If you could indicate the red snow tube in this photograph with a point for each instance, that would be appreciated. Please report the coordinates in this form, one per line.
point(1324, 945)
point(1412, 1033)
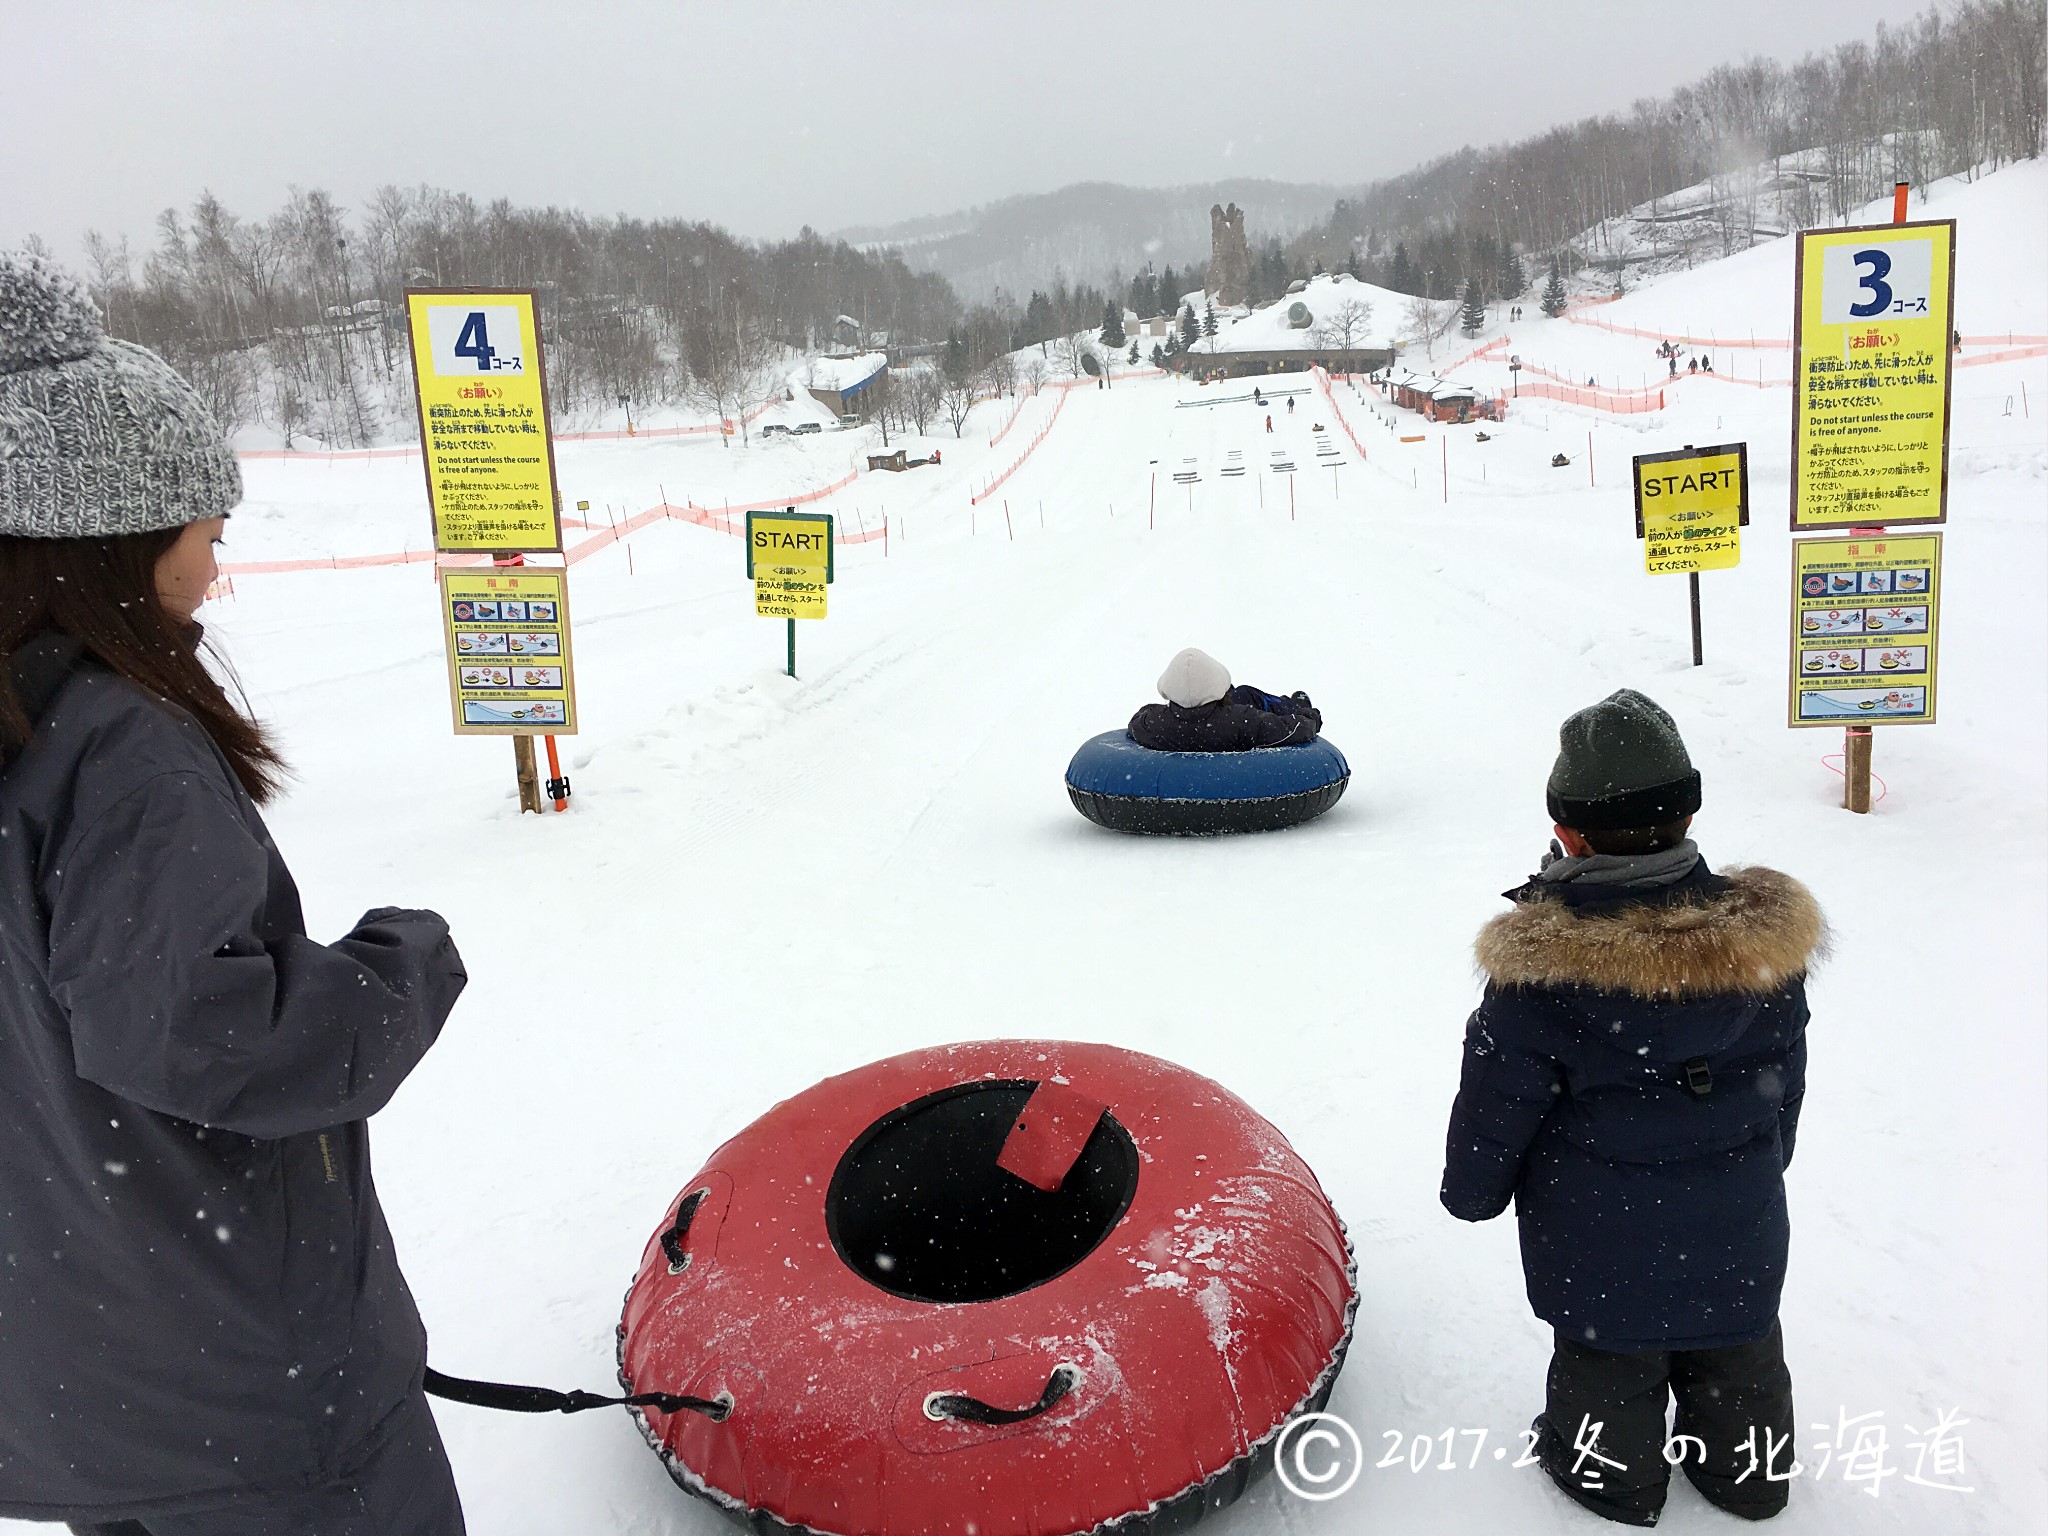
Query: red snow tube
point(1016, 1287)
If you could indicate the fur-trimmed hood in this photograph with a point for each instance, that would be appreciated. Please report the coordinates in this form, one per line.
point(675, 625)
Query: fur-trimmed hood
point(1751, 938)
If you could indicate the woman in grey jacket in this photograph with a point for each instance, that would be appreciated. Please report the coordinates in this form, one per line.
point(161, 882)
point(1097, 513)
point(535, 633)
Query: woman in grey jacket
point(203, 1327)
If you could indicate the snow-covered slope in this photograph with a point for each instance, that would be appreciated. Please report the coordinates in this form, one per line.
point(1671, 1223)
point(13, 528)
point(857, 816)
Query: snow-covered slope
point(766, 880)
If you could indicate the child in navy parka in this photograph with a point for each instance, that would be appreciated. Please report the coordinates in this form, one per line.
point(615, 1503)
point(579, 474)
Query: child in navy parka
point(1632, 1084)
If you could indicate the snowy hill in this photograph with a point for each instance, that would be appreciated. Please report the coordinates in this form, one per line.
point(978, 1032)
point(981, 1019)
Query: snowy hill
point(1089, 231)
point(764, 880)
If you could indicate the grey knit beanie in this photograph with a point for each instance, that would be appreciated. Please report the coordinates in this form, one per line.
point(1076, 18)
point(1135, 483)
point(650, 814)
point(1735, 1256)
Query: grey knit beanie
point(1621, 764)
point(97, 437)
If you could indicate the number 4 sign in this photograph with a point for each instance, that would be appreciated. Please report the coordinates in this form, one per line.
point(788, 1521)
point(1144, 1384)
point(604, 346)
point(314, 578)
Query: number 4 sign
point(481, 382)
point(466, 341)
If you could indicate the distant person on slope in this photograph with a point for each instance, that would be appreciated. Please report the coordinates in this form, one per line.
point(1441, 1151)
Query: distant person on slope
point(203, 1327)
point(1632, 1084)
point(1204, 713)
point(1269, 423)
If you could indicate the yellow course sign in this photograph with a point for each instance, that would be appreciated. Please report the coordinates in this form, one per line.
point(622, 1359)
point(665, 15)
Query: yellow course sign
point(1870, 375)
point(1691, 507)
point(484, 434)
point(1866, 619)
point(509, 668)
point(789, 560)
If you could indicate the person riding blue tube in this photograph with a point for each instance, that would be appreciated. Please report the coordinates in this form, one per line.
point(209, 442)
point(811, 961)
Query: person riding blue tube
point(1205, 712)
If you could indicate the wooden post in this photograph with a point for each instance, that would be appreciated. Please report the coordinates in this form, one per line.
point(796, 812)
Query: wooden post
point(1589, 458)
point(1698, 655)
point(792, 647)
point(1856, 739)
point(1856, 770)
point(528, 775)
point(1152, 503)
point(1446, 444)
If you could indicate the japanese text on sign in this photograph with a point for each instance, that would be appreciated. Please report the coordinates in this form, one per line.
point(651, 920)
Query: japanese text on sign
point(1691, 506)
point(789, 559)
point(484, 434)
point(1865, 629)
point(509, 668)
point(1870, 396)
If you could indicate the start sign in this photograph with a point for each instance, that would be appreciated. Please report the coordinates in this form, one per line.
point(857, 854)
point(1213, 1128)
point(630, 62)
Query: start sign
point(1691, 507)
point(789, 560)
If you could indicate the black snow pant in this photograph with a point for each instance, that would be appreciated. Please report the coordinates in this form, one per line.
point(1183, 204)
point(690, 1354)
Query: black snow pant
point(405, 1488)
point(1602, 1434)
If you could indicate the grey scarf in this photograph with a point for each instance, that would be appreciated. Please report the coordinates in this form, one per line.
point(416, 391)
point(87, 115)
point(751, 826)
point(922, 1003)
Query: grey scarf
point(1648, 870)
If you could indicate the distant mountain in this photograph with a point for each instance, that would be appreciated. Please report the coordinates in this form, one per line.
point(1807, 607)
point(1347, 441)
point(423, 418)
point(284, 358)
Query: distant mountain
point(1090, 230)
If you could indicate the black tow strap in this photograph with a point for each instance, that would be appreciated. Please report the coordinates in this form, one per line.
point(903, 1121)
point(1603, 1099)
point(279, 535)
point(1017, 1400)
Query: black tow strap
point(956, 1405)
point(511, 1399)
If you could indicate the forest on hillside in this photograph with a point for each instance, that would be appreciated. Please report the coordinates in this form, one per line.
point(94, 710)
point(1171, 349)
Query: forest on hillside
point(295, 320)
point(1952, 93)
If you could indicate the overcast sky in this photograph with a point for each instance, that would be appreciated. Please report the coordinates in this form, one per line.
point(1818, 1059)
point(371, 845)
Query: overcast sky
point(765, 116)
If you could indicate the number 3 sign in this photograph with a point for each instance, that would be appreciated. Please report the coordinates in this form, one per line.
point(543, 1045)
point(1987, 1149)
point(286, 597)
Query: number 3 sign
point(1871, 351)
point(464, 342)
point(1877, 280)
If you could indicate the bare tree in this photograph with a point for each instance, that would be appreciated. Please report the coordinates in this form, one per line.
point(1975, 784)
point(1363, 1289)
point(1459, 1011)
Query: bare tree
point(1429, 321)
point(920, 392)
point(1070, 350)
point(1344, 325)
point(728, 356)
point(956, 399)
point(1035, 374)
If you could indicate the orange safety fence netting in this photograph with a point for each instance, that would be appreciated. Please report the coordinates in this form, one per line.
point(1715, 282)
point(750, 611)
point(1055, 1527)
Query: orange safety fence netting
point(1323, 383)
point(1065, 387)
point(722, 519)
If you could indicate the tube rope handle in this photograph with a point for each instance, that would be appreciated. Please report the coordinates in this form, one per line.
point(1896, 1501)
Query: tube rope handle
point(678, 1230)
point(512, 1399)
point(972, 1410)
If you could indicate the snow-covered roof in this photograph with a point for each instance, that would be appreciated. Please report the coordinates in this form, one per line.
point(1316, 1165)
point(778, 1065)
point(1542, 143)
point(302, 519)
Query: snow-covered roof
point(1446, 389)
point(1267, 330)
point(844, 373)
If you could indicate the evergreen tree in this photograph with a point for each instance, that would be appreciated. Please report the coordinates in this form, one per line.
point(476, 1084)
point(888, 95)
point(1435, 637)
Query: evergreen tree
point(1143, 300)
point(1514, 282)
point(1190, 328)
point(1402, 276)
point(1039, 324)
point(1166, 300)
point(1351, 261)
point(1134, 354)
point(953, 364)
point(1158, 355)
point(1553, 293)
point(1473, 320)
point(1209, 320)
point(1112, 324)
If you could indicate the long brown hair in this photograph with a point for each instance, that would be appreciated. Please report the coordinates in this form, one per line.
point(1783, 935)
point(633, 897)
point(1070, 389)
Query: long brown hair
point(102, 592)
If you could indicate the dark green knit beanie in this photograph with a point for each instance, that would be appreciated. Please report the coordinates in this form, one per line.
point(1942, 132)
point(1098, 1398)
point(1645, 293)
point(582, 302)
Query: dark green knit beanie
point(1621, 764)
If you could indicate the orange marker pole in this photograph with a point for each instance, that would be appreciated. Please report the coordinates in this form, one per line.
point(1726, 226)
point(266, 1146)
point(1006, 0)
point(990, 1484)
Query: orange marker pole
point(558, 787)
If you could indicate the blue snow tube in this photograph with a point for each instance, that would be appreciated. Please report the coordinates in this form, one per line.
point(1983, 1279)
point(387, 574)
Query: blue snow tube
point(1118, 784)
